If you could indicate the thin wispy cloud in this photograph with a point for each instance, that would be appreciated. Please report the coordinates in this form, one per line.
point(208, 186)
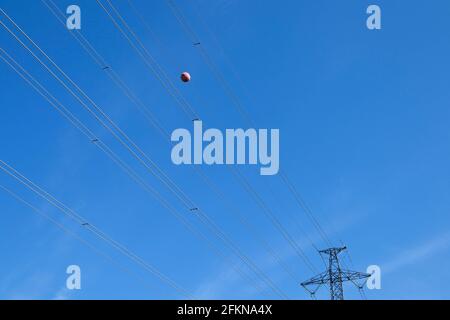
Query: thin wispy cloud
point(418, 253)
point(62, 294)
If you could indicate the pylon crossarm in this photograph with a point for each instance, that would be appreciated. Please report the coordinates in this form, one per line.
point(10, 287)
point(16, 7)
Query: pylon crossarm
point(348, 275)
point(330, 251)
point(320, 279)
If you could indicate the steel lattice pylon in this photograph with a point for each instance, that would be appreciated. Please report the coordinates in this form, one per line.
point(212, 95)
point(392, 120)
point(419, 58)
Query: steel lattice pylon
point(334, 277)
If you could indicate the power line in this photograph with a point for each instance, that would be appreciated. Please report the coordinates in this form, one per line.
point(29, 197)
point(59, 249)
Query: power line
point(241, 109)
point(112, 74)
point(116, 131)
point(145, 52)
point(275, 221)
point(90, 227)
point(145, 24)
point(87, 132)
point(143, 55)
point(246, 223)
point(252, 191)
point(72, 234)
point(131, 173)
point(93, 53)
point(301, 202)
point(149, 61)
point(198, 44)
point(137, 153)
point(116, 159)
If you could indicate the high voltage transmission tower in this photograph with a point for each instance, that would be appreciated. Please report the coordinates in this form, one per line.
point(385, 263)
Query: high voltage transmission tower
point(334, 276)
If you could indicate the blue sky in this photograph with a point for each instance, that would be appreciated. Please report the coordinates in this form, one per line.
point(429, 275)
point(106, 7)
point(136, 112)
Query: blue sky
point(363, 123)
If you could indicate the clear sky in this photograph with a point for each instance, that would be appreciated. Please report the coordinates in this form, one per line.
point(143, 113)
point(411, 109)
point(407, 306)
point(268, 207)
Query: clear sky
point(363, 118)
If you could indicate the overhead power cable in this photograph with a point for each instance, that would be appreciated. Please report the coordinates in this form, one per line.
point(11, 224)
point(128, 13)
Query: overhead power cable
point(145, 55)
point(74, 235)
point(192, 35)
point(100, 61)
point(92, 228)
point(137, 153)
point(116, 159)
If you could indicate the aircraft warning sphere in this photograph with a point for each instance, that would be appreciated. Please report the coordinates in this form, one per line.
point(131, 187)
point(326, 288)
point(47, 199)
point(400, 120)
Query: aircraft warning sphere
point(185, 77)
